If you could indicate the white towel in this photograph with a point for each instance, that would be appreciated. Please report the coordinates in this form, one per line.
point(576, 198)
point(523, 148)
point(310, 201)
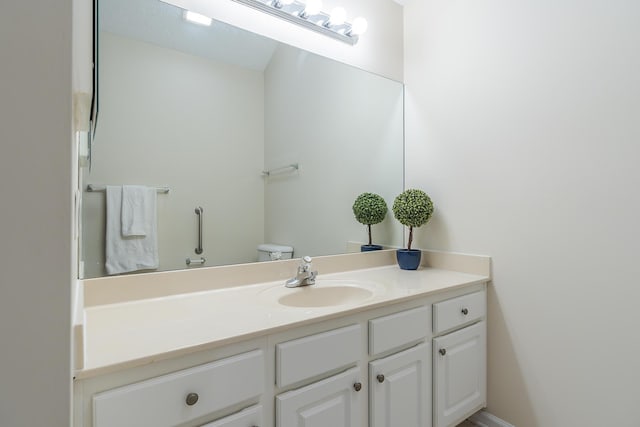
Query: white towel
point(125, 254)
point(138, 209)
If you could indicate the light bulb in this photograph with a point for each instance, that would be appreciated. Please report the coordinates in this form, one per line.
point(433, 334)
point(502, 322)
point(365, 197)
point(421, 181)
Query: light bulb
point(338, 15)
point(359, 26)
point(312, 7)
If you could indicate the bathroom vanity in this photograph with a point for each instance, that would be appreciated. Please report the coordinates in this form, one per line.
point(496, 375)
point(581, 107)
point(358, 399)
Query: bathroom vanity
point(367, 345)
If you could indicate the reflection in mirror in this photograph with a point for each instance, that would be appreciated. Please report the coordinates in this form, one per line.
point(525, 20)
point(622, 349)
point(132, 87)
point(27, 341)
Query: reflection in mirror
point(205, 110)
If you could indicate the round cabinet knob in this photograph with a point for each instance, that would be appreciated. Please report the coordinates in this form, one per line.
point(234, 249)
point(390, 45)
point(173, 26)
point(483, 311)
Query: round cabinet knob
point(465, 311)
point(380, 378)
point(357, 386)
point(192, 399)
point(443, 351)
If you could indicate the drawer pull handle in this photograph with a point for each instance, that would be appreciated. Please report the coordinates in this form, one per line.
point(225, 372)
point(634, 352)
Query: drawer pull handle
point(380, 378)
point(443, 351)
point(192, 399)
point(465, 311)
point(357, 386)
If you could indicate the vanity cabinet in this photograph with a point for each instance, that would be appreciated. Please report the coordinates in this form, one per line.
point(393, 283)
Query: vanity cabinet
point(417, 363)
point(459, 359)
point(400, 389)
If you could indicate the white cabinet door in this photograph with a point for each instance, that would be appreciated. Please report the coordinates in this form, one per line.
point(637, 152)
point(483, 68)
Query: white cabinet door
point(400, 389)
point(460, 374)
point(334, 402)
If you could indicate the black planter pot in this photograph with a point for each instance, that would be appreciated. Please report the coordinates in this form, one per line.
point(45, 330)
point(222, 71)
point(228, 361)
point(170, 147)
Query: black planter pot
point(408, 259)
point(368, 248)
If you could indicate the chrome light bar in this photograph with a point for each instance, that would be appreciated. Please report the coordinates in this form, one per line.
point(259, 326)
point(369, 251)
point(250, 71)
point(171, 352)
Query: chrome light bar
point(294, 12)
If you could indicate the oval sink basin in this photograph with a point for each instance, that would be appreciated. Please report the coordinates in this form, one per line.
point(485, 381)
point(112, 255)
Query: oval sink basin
point(325, 293)
point(309, 296)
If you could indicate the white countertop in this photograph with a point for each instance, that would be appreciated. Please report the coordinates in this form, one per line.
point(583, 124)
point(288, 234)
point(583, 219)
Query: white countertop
point(128, 334)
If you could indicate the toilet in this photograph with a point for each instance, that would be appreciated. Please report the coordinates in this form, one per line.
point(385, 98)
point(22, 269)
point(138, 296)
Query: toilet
point(273, 252)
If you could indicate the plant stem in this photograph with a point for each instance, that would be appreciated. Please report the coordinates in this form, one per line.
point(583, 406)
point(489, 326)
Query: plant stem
point(410, 237)
point(369, 228)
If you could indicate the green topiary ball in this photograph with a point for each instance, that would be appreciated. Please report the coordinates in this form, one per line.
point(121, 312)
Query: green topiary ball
point(413, 208)
point(369, 208)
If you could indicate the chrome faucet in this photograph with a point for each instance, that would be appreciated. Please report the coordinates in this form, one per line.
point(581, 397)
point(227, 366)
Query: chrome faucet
point(304, 276)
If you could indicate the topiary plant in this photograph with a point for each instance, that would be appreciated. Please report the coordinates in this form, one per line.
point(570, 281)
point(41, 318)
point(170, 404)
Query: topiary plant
point(412, 208)
point(369, 208)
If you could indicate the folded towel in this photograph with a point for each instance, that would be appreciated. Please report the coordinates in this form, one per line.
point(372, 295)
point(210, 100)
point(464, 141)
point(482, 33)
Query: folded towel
point(125, 254)
point(138, 209)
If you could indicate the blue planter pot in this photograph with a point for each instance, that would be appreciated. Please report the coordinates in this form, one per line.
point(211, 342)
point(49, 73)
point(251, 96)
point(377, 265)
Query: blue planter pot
point(367, 248)
point(408, 259)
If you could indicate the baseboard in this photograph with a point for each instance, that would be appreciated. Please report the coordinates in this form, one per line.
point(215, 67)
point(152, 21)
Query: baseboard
point(485, 419)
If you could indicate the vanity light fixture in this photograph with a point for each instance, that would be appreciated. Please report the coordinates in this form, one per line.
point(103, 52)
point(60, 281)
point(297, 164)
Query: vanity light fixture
point(337, 17)
point(308, 14)
point(196, 18)
point(358, 27)
point(311, 8)
point(278, 4)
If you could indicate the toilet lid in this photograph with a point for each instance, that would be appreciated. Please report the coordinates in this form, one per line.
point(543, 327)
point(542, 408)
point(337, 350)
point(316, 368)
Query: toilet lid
point(271, 247)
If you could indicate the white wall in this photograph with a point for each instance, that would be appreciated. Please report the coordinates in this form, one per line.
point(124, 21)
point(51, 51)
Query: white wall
point(344, 144)
point(35, 186)
point(379, 50)
point(523, 123)
point(168, 118)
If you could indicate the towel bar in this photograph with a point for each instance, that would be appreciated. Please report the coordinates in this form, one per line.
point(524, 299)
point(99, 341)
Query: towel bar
point(283, 169)
point(94, 188)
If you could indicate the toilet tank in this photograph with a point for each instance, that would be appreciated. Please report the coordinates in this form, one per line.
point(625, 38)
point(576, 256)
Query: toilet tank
point(272, 252)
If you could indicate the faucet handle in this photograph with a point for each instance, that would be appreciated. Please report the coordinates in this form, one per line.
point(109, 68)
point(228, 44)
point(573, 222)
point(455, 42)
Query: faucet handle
point(305, 263)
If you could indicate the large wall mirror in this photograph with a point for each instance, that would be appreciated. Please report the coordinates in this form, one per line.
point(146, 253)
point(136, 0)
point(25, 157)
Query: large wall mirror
point(205, 110)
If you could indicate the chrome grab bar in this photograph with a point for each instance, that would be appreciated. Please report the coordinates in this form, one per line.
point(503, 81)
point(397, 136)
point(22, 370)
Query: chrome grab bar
point(199, 212)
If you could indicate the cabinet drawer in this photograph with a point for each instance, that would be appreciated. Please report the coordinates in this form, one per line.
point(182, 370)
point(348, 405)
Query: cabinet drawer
point(458, 311)
point(396, 330)
point(317, 354)
point(162, 401)
point(250, 417)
